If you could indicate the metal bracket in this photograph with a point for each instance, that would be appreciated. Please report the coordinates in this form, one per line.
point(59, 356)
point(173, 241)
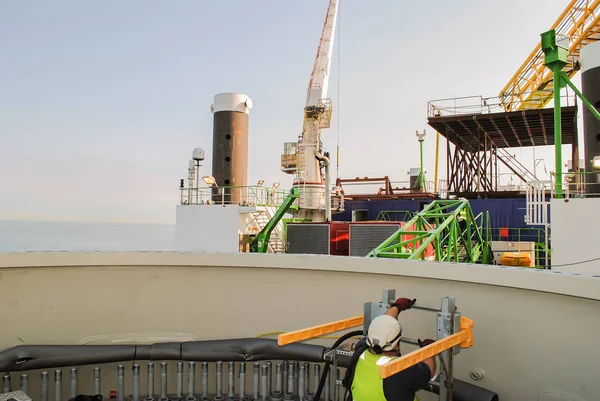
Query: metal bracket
point(444, 320)
point(374, 309)
point(332, 356)
point(448, 323)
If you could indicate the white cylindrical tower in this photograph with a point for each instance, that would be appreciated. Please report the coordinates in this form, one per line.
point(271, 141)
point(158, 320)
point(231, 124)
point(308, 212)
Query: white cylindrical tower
point(590, 87)
point(230, 142)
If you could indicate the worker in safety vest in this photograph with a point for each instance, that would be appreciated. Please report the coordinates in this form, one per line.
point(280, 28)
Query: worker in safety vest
point(381, 345)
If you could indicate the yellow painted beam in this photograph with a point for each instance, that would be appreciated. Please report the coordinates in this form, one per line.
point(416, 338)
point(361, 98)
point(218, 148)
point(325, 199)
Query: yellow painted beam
point(464, 338)
point(316, 331)
point(578, 21)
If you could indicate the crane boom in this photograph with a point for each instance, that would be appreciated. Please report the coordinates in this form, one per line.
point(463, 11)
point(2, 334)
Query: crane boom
point(305, 158)
point(319, 79)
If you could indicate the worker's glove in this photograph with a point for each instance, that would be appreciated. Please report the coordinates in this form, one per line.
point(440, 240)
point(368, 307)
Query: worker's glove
point(404, 303)
point(425, 342)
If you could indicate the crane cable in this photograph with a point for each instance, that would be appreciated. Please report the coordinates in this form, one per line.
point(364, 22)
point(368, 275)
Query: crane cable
point(337, 154)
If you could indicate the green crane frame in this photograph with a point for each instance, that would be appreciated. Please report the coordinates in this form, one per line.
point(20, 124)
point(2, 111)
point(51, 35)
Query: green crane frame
point(449, 226)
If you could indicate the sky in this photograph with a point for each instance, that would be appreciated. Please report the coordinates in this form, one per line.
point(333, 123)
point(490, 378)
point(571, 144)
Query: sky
point(102, 103)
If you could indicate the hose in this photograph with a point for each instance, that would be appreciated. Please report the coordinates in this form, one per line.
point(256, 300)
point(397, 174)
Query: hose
point(336, 344)
point(349, 376)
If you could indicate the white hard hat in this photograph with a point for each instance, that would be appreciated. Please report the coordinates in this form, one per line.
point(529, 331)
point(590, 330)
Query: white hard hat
point(384, 332)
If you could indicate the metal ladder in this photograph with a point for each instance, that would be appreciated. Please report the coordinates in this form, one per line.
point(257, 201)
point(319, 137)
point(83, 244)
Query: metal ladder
point(276, 243)
point(300, 177)
point(515, 166)
point(538, 211)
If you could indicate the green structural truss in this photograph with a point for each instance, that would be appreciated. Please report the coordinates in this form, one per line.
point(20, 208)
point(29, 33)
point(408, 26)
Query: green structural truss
point(394, 215)
point(446, 230)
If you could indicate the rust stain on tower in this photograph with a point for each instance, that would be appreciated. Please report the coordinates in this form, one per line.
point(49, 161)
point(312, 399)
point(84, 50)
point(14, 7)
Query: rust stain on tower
point(230, 146)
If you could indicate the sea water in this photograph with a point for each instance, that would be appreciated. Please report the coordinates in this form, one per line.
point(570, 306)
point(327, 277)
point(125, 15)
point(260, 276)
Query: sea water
point(34, 236)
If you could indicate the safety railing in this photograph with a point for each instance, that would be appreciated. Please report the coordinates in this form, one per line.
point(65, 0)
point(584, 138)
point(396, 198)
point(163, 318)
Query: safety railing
point(245, 196)
point(478, 105)
point(309, 197)
point(521, 234)
point(375, 188)
point(395, 215)
point(536, 235)
point(442, 189)
point(577, 184)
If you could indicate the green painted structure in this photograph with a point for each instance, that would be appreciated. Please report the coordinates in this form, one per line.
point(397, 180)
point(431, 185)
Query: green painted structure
point(261, 242)
point(448, 226)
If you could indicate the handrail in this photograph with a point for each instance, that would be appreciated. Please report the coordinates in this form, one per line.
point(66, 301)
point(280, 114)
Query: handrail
point(480, 105)
point(261, 243)
point(573, 184)
point(242, 195)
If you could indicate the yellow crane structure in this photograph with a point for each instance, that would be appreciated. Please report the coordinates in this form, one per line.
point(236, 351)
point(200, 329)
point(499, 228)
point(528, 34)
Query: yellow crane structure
point(532, 85)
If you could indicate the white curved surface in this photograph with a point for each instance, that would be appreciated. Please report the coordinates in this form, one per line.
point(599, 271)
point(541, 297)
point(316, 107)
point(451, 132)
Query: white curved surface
point(232, 102)
point(533, 330)
point(590, 56)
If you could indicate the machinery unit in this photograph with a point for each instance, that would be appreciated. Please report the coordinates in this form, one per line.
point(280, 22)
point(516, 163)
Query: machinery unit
point(311, 238)
point(339, 238)
point(319, 238)
point(368, 235)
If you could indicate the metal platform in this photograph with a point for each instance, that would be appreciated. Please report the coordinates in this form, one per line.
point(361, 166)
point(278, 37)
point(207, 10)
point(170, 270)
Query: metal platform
point(479, 138)
point(506, 129)
point(386, 191)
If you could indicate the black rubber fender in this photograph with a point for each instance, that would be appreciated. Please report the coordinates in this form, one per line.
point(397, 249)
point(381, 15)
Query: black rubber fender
point(31, 357)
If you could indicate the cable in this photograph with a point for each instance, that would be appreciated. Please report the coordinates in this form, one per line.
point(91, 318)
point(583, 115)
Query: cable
point(349, 376)
point(337, 155)
point(576, 263)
